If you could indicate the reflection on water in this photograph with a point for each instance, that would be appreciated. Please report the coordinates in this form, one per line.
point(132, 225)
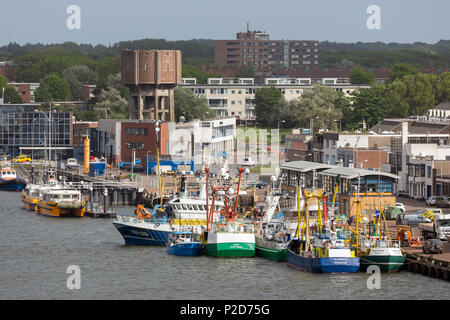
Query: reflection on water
point(35, 252)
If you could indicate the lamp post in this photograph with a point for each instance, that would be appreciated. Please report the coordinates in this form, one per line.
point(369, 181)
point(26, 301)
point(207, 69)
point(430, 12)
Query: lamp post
point(281, 121)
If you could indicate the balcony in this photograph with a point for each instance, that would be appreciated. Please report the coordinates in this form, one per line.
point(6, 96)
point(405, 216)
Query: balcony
point(218, 106)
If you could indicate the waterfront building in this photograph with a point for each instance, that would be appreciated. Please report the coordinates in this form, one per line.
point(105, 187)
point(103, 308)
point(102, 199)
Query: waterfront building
point(25, 130)
point(375, 189)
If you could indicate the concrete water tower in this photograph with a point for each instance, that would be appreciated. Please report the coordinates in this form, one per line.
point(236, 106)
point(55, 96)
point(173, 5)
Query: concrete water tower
point(151, 76)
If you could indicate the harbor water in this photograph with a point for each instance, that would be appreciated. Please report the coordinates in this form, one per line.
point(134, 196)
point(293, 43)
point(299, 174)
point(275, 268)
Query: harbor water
point(35, 252)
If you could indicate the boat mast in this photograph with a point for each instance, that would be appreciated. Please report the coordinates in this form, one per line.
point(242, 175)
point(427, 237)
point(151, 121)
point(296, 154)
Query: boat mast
point(237, 194)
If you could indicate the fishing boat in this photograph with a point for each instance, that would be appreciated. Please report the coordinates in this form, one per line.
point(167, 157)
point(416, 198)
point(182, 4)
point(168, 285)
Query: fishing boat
point(377, 248)
point(184, 243)
point(145, 228)
point(234, 238)
point(271, 236)
point(324, 252)
point(227, 235)
point(61, 202)
point(9, 181)
point(271, 240)
point(385, 254)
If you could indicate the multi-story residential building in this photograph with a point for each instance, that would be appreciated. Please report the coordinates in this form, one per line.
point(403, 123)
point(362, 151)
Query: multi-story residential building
point(24, 129)
point(235, 97)
point(440, 113)
point(25, 90)
point(254, 49)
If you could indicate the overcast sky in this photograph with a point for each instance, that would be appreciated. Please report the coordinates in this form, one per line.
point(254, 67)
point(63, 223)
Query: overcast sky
point(110, 21)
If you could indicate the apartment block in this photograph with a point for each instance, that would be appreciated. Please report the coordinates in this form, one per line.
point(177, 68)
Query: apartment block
point(256, 50)
point(235, 97)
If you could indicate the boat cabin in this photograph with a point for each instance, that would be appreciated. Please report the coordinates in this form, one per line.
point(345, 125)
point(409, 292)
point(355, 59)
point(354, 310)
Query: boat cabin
point(8, 174)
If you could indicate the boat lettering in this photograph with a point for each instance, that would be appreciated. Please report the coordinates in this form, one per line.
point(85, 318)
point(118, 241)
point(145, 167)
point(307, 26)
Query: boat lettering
point(139, 233)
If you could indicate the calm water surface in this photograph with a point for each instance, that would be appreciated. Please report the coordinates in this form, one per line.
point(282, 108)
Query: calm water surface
point(35, 252)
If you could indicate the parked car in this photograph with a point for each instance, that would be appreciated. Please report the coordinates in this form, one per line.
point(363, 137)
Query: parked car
point(433, 246)
point(443, 202)
point(431, 201)
point(21, 159)
point(400, 206)
point(412, 219)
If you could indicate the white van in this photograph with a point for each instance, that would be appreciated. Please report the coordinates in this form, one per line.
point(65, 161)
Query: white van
point(248, 162)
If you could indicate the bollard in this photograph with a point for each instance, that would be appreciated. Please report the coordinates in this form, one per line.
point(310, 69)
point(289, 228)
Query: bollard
point(105, 201)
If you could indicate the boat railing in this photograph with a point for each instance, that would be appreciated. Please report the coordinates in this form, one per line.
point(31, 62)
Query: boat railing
point(130, 219)
point(383, 243)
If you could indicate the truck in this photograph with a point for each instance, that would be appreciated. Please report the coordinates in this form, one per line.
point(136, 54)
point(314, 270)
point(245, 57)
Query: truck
point(437, 229)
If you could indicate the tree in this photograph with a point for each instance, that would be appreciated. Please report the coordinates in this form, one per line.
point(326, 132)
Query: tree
point(110, 102)
point(400, 70)
point(3, 82)
point(360, 76)
point(267, 104)
point(77, 76)
point(318, 105)
point(421, 90)
point(12, 96)
point(396, 95)
point(53, 87)
point(191, 106)
point(369, 105)
point(443, 88)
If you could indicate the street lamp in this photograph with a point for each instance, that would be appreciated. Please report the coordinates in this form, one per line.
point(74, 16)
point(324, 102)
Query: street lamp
point(281, 121)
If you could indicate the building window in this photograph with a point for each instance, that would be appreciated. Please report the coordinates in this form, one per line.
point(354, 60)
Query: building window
point(136, 131)
point(135, 146)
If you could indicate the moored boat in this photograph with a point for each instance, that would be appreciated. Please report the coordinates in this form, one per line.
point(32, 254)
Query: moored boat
point(385, 254)
point(62, 202)
point(9, 181)
point(184, 243)
point(271, 240)
point(326, 253)
point(233, 238)
point(145, 229)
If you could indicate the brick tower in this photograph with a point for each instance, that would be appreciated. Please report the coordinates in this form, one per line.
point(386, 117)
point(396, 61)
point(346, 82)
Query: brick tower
point(151, 76)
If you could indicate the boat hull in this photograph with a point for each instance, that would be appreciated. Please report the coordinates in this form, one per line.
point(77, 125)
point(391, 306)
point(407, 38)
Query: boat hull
point(29, 203)
point(324, 264)
point(186, 249)
point(271, 253)
point(387, 259)
point(230, 245)
point(12, 185)
point(144, 235)
point(51, 209)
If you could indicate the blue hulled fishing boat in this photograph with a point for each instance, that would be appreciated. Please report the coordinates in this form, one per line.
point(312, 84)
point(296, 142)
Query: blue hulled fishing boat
point(184, 243)
point(325, 252)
